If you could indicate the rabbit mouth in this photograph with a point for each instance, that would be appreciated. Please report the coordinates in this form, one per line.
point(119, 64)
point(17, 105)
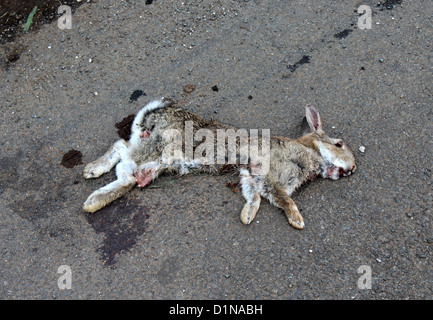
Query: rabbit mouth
point(335, 172)
point(344, 173)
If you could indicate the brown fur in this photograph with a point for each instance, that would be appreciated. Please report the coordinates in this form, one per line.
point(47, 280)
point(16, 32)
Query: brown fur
point(292, 162)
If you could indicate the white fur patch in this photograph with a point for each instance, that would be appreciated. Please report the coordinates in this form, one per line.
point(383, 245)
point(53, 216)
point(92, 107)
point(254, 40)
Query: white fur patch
point(329, 157)
point(138, 120)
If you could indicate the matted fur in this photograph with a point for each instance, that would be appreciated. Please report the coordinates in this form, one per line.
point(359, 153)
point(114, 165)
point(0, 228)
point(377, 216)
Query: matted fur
point(292, 162)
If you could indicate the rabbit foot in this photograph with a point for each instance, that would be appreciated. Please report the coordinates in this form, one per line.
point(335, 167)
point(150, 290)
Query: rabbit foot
point(296, 220)
point(250, 209)
point(94, 202)
point(94, 170)
point(248, 213)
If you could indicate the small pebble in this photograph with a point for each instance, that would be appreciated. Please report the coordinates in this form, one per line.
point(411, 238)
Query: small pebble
point(410, 214)
point(362, 149)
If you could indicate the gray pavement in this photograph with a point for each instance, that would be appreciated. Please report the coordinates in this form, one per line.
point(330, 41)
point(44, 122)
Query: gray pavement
point(183, 238)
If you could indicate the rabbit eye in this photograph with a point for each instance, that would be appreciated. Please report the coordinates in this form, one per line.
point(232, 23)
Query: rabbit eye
point(339, 144)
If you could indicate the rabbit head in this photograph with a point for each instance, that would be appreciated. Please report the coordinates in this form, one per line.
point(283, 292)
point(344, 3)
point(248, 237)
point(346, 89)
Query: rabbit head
point(338, 158)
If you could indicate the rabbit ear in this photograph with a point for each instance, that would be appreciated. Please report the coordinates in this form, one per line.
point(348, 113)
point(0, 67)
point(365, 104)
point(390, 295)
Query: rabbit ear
point(313, 118)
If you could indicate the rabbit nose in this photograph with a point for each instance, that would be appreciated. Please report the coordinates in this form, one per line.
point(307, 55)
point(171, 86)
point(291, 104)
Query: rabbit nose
point(344, 173)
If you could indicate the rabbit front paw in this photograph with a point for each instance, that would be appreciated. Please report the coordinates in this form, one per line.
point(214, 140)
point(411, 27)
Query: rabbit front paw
point(94, 170)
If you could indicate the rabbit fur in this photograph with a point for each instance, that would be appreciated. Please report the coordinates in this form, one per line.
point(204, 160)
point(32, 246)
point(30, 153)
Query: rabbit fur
point(292, 162)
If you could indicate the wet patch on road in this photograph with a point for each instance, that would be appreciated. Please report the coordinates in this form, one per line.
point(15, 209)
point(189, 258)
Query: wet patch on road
point(305, 59)
point(72, 158)
point(122, 222)
point(124, 127)
point(342, 34)
point(136, 94)
point(32, 188)
point(8, 172)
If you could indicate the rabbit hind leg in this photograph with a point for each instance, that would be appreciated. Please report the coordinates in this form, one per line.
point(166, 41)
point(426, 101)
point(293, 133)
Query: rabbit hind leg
point(250, 193)
point(114, 190)
point(281, 199)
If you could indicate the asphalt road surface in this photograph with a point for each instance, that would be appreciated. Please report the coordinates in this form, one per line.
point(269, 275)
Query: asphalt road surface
point(254, 64)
